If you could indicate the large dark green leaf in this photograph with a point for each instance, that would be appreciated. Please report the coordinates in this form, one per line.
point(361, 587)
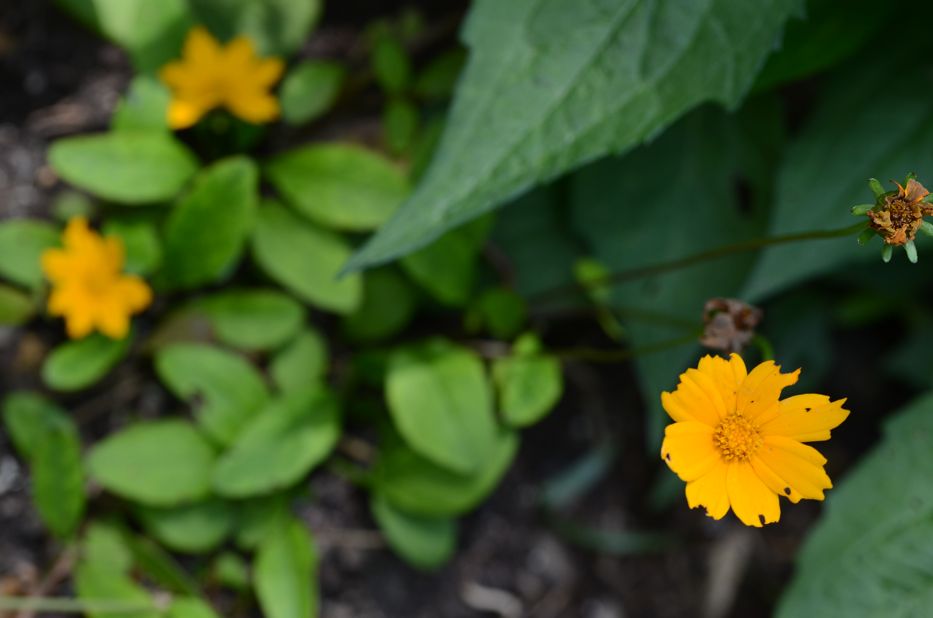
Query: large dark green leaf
point(552, 84)
point(872, 552)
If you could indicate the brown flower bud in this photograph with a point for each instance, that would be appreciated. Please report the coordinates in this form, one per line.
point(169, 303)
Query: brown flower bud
point(901, 214)
point(729, 324)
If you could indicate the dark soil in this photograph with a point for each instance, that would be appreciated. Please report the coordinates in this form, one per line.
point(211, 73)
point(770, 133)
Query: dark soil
point(57, 78)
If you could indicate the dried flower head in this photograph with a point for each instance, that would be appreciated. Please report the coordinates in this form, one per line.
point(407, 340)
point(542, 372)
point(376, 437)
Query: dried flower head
point(210, 75)
point(738, 445)
point(729, 324)
point(89, 288)
point(900, 214)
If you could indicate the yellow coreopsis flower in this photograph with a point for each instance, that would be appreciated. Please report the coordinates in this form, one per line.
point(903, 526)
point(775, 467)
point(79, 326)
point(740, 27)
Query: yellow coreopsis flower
point(210, 75)
point(89, 288)
point(737, 445)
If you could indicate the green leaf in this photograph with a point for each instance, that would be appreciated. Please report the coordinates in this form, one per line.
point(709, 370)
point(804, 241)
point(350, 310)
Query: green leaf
point(138, 167)
point(28, 417)
point(144, 108)
point(151, 32)
point(22, 242)
point(399, 124)
point(104, 544)
point(441, 403)
point(157, 463)
point(160, 567)
point(231, 571)
point(58, 478)
point(417, 486)
point(891, 133)
point(258, 517)
point(530, 383)
point(446, 269)
point(119, 596)
point(423, 542)
point(388, 306)
point(75, 365)
point(500, 311)
point(301, 362)
point(391, 64)
point(228, 389)
point(305, 259)
point(190, 607)
point(536, 101)
point(281, 445)
point(16, 307)
point(286, 573)
point(310, 89)
point(340, 186)
point(253, 319)
point(439, 78)
point(277, 27)
point(140, 241)
point(870, 553)
point(193, 528)
point(208, 228)
point(68, 204)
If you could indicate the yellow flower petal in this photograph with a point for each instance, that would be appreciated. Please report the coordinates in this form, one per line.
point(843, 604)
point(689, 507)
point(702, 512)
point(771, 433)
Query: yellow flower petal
point(183, 114)
point(759, 393)
point(799, 466)
point(201, 46)
point(753, 503)
point(806, 418)
point(709, 491)
point(268, 71)
point(257, 108)
point(727, 375)
point(688, 449)
point(135, 293)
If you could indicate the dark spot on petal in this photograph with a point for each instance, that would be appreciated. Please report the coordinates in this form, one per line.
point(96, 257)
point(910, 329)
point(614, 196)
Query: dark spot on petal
point(667, 456)
point(807, 409)
point(761, 518)
point(787, 490)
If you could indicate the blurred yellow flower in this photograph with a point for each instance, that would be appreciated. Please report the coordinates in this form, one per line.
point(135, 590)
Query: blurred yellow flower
point(210, 75)
point(89, 288)
point(736, 444)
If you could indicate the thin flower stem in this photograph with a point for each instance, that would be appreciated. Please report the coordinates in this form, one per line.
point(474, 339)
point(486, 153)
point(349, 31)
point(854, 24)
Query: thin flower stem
point(703, 256)
point(75, 606)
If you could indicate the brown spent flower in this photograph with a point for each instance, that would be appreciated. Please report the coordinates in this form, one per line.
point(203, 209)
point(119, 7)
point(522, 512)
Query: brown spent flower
point(902, 214)
point(729, 324)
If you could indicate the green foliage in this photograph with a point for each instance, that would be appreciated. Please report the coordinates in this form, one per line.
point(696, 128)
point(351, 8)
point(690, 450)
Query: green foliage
point(500, 311)
point(141, 242)
point(391, 64)
point(22, 242)
point(870, 553)
point(339, 186)
point(399, 124)
point(157, 463)
point(252, 319)
point(276, 26)
point(208, 228)
point(529, 382)
point(189, 607)
point(286, 566)
point(28, 417)
point(280, 445)
point(511, 128)
point(305, 259)
point(441, 403)
point(446, 269)
point(15, 307)
point(58, 478)
point(425, 543)
point(228, 389)
point(104, 544)
point(389, 303)
point(144, 108)
point(127, 167)
point(78, 364)
point(310, 89)
point(191, 528)
point(95, 581)
point(300, 363)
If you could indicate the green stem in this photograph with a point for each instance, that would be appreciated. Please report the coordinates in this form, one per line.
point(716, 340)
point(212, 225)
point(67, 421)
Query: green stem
point(595, 355)
point(764, 347)
point(74, 606)
point(703, 256)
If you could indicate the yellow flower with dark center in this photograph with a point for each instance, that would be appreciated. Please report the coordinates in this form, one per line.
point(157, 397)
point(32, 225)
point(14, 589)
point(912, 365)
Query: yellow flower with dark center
point(900, 215)
point(210, 75)
point(89, 288)
point(738, 445)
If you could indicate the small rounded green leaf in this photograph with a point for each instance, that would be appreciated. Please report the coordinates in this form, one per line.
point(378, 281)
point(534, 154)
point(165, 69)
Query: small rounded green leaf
point(257, 517)
point(391, 64)
point(138, 167)
point(231, 571)
point(190, 607)
point(300, 363)
point(441, 403)
point(388, 305)
point(158, 463)
point(530, 383)
point(79, 364)
point(15, 307)
point(208, 228)
point(439, 78)
point(140, 240)
point(22, 242)
point(310, 89)
point(228, 388)
point(105, 544)
point(252, 319)
point(192, 528)
point(340, 186)
point(424, 542)
point(399, 124)
point(28, 416)
point(281, 445)
point(58, 478)
point(305, 259)
point(286, 573)
point(144, 108)
point(446, 268)
point(95, 582)
point(416, 485)
point(276, 27)
point(500, 311)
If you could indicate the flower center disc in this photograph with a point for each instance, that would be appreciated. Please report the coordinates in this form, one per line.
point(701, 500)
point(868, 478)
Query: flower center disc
point(737, 438)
